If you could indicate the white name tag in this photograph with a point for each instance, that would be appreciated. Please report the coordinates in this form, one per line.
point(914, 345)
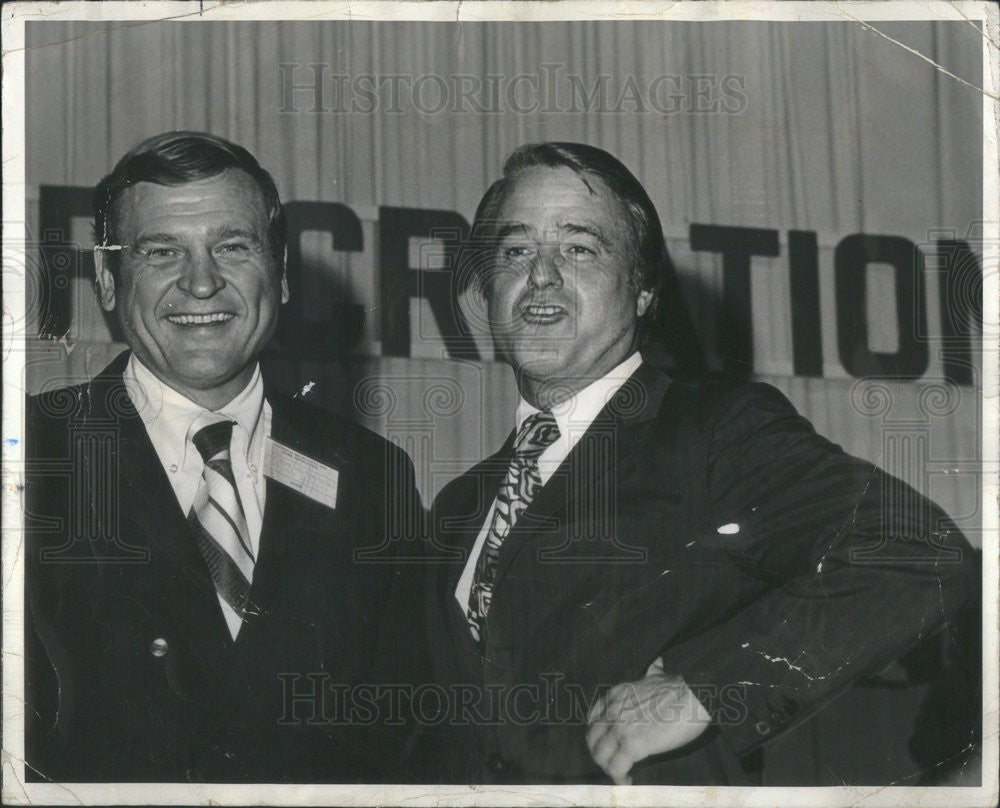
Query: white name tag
point(300, 473)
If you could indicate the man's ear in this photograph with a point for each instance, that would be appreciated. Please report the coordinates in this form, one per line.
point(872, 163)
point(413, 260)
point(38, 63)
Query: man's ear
point(105, 279)
point(284, 276)
point(643, 302)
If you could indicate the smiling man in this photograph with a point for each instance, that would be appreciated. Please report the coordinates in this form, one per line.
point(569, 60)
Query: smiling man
point(656, 577)
point(192, 590)
point(200, 282)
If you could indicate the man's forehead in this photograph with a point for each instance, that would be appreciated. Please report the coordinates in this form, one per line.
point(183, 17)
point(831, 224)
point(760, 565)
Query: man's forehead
point(558, 193)
point(547, 204)
point(568, 224)
point(230, 195)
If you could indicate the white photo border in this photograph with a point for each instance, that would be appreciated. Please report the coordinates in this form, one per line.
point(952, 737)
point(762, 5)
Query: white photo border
point(17, 791)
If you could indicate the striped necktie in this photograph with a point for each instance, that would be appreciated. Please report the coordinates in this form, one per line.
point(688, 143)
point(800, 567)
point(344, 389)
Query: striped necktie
point(218, 520)
point(538, 432)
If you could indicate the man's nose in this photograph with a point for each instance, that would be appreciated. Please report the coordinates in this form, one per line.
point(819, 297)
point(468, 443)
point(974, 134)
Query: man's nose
point(546, 270)
point(201, 277)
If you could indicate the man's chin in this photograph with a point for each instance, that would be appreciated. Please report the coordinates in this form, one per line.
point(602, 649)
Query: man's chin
point(540, 363)
point(549, 372)
point(199, 375)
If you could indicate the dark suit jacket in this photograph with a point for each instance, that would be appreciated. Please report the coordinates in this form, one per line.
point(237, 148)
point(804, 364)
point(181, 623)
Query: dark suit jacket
point(707, 525)
point(131, 673)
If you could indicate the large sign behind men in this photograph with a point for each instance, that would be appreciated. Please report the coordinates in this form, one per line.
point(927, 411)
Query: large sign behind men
point(416, 252)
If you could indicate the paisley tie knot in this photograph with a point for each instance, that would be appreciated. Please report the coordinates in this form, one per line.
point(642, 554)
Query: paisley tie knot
point(538, 432)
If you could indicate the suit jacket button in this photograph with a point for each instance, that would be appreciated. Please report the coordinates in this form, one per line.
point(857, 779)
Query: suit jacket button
point(791, 707)
point(158, 647)
point(496, 763)
point(762, 727)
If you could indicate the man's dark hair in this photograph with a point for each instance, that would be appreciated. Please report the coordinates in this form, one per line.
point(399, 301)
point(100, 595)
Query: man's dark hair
point(177, 158)
point(666, 318)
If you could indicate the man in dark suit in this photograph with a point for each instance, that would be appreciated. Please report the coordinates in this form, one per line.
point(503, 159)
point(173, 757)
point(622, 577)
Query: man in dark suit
point(651, 578)
point(195, 600)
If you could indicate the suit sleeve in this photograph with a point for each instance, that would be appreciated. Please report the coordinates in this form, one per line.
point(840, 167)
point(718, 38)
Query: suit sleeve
point(857, 567)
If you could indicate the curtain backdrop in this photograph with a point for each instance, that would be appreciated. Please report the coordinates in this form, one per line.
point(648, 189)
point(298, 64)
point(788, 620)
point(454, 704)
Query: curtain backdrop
point(825, 128)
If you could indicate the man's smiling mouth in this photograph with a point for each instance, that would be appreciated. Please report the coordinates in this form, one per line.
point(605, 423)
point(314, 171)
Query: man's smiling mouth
point(539, 313)
point(200, 319)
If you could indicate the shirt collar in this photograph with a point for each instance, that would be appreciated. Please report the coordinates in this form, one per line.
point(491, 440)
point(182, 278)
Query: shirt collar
point(575, 414)
point(172, 415)
point(246, 407)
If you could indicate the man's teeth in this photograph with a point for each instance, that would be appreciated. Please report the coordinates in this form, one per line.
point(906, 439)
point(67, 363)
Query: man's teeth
point(200, 319)
point(544, 310)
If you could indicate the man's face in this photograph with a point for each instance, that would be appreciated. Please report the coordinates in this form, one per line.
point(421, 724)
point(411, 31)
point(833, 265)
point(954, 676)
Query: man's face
point(561, 304)
point(198, 291)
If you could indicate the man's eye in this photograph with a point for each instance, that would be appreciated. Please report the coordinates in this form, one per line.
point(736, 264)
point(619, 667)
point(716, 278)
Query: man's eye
point(236, 248)
point(514, 252)
point(579, 251)
point(159, 254)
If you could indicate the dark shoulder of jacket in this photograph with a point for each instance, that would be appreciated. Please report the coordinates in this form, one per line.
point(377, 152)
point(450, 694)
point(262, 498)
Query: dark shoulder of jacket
point(103, 399)
point(47, 417)
point(330, 431)
point(719, 395)
point(702, 406)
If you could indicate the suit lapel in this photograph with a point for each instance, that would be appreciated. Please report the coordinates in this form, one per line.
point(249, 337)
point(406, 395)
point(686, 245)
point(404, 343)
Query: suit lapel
point(292, 524)
point(285, 507)
point(286, 511)
point(616, 432)
point(175, 580)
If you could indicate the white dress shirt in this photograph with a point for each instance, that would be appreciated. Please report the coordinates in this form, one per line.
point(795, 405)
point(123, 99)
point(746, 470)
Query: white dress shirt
point(170, 417)
point(573, 417)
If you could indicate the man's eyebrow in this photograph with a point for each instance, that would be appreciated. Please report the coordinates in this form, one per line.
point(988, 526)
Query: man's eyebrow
point(237, 232)
point(585, 230)
point(160, 238)
point(512, 229)
point(520, 228)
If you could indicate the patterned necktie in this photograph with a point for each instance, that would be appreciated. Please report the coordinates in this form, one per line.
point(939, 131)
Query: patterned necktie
point(537, 433)
point(218, 520)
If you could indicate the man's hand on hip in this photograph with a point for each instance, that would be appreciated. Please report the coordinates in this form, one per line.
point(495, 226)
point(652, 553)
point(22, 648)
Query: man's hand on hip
point(634, 720)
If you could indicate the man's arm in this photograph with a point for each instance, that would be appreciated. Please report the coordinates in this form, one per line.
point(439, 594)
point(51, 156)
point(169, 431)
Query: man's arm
point(859, 568)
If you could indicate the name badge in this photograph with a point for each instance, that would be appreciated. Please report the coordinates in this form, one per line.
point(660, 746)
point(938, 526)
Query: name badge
point(300, 473)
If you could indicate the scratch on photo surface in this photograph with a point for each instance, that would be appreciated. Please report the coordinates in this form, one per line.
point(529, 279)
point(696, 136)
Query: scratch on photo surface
point(20, 538)
point(791, 666)
point(50, 781)
point(920, 55)
point(982, 32)
point(746, 682)
point(68, 347)
point(103, 32)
